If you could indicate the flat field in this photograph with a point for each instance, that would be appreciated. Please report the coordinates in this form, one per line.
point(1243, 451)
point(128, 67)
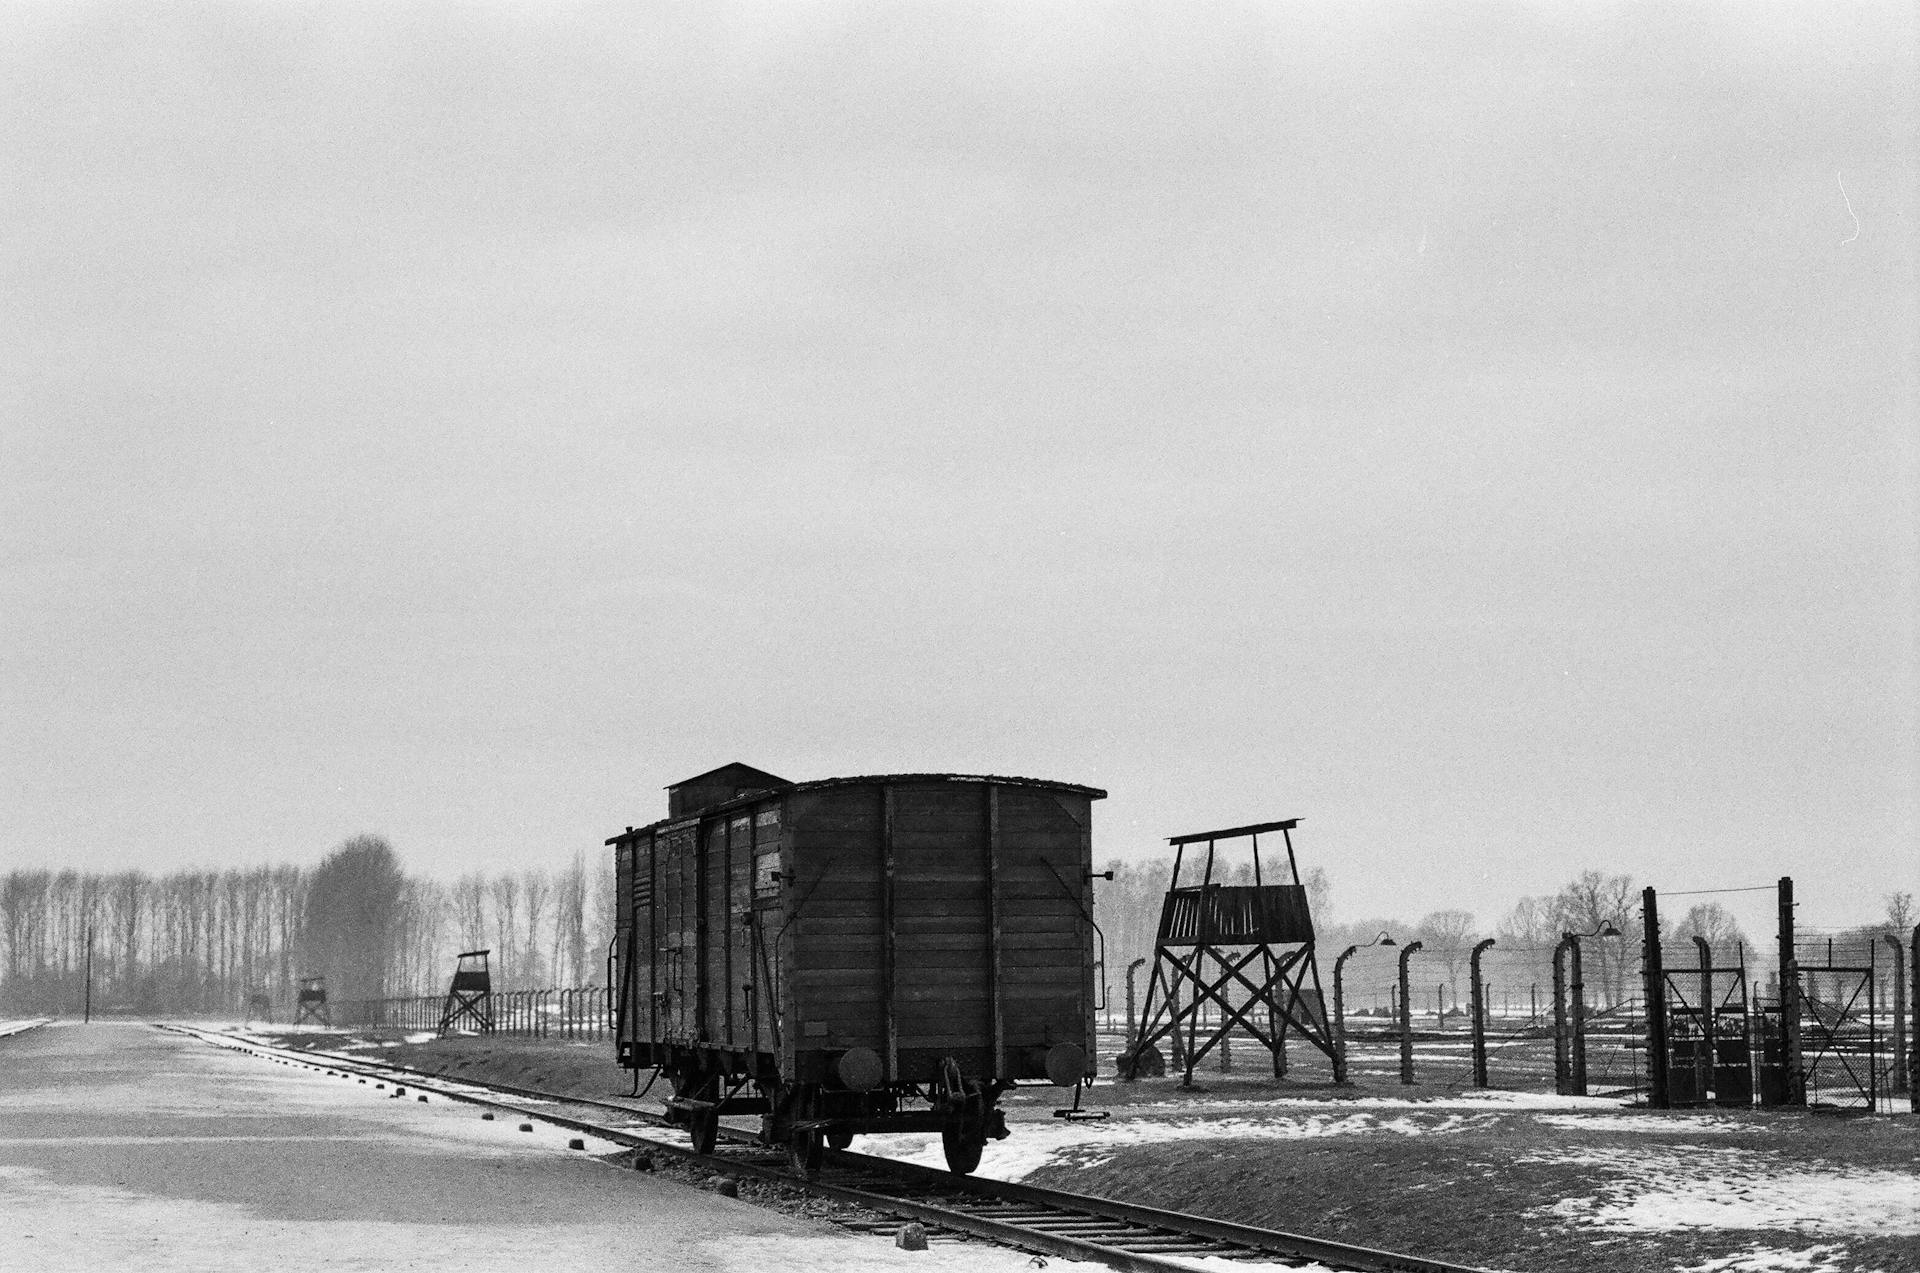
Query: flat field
point(1502, 1180)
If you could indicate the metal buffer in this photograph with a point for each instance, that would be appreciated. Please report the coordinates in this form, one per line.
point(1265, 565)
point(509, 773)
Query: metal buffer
point(470, 997)
point(1340, 1004)
point(312, 1003)
point(1233, 957)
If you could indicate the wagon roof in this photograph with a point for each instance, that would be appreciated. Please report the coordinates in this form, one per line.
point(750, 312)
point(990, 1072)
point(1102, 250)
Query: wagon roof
point(820, 784)
point(737, 770)
point(998, 780)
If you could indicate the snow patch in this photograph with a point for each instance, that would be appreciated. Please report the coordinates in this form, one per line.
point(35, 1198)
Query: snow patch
point(1815, 1259)
point(1650, 1124)
point(844, 1253)
point(1654, 1188)
point(1079, 1145)
point(1489, 1098)
point(61, 1227)
point(1220, 1264)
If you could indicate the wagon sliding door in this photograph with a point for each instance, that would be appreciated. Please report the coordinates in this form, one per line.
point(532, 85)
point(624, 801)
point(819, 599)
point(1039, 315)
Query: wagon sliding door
point(990, 931)
point(635, 971)
point(936, 842)
point(620, 966)
point(1043, 852)
point(726, 938)
point(677, 980)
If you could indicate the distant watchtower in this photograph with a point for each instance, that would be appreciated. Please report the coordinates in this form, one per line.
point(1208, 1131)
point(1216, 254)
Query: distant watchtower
point(312, 1004)
point(1215, 937)
point(470, 997)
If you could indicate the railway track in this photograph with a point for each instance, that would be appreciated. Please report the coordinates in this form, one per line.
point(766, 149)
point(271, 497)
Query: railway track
point(1049, 1222)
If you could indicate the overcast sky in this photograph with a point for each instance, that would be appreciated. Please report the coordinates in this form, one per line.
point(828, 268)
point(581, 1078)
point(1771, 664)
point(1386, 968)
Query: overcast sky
point(1486, 434)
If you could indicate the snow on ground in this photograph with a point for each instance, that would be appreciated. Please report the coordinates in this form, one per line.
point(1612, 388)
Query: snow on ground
point(1219, 1264)
point(843, 1254)
point(1035, 1145)
point(75, 1226)
point(1659, 1188)
point(1651, 1124)
point(1488, 1098)
point(1814, 1259)
point(16, 1027)
point(69, 1222)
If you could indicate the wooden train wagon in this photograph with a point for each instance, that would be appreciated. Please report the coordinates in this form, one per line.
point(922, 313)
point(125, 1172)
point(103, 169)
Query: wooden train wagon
point(833, 955)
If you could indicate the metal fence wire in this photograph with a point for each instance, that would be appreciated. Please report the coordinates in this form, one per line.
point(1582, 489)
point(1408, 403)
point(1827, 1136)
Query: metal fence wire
point(573, 1012)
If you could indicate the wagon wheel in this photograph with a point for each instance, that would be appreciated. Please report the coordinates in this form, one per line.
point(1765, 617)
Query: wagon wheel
point(704, 1127)
point(963, 1132)
point(963, 1140)
point(839, 1137)
point(805, 1151)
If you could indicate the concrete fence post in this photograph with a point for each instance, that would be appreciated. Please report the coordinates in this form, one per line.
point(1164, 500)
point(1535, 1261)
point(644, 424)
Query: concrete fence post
point(1659, 1051)
point(1577, 1018)
point(1479, 1008)
point(1406, 1015)
point(1562, 1049)
point(1340, 1017)
point(1790, 997)
point(1897, 1072)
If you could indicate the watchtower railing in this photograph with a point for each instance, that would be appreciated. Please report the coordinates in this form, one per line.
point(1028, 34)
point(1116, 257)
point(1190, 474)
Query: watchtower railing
point(1235, 915)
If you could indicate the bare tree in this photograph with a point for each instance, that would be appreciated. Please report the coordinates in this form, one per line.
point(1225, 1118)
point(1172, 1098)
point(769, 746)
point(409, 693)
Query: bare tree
point(470, 910)
point(1900, 914)
point(353, 907)
point(536, 891)
point(289, 906)
point(505, 890)
point(1319, 896)
point(1448, 936)
point(600, 911)
point(1586, 906)
point(130, 899)
point(423, 911)
point(1712, 921)
point(569, 923)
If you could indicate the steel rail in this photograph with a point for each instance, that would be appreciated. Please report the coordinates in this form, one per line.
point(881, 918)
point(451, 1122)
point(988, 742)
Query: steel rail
point(1122, 1235)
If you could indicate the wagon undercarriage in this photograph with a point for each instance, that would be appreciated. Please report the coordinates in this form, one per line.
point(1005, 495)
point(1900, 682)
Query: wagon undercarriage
point(807, 1118)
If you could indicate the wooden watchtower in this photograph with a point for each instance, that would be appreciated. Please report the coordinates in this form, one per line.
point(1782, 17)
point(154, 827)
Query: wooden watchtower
point(311, 1006)
point(1233, 957)
point(470, 996)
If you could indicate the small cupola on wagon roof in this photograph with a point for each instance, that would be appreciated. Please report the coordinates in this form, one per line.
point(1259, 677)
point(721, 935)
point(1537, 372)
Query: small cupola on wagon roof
point(718, 786)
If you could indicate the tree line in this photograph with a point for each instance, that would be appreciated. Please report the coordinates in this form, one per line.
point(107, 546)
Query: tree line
point(217, 942)
point(212, 941)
